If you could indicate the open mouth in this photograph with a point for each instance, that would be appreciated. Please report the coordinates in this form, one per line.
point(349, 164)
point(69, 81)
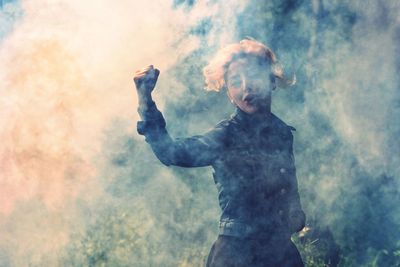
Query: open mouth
point(251, 99)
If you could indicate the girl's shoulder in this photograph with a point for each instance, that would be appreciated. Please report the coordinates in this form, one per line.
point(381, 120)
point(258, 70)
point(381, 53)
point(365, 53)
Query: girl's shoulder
point(280, 124)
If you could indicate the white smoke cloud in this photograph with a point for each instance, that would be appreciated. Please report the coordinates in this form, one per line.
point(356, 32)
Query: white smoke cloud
point(66, 72)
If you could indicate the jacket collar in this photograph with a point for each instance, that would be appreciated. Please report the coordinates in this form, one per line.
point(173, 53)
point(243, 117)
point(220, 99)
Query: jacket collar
point(261, 120)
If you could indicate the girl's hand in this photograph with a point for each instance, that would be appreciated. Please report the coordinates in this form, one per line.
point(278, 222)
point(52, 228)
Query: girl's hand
point(145, 80)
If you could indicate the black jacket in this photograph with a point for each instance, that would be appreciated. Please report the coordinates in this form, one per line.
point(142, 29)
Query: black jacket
point(254, 170)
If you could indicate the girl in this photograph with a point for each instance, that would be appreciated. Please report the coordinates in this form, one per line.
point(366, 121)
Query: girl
point(251, 154)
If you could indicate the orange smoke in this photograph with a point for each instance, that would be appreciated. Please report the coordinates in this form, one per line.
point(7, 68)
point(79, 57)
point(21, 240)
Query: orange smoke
point(39, 154)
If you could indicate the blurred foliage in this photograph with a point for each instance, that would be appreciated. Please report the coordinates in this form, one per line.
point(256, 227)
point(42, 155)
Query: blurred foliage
point(317, 247)
point(150, 215)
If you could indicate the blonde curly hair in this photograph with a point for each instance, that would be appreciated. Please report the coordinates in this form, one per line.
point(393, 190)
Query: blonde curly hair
point(214, 73)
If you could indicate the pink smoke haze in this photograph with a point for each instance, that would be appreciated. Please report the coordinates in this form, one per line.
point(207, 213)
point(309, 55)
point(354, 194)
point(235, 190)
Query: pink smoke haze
point(66, 73)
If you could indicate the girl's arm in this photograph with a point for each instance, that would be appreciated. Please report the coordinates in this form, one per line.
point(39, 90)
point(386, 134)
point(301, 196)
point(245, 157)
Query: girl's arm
point(195, 151)
point(297, 217)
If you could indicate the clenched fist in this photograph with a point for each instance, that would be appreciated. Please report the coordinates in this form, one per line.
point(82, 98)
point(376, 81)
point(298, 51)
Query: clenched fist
point(145, 80)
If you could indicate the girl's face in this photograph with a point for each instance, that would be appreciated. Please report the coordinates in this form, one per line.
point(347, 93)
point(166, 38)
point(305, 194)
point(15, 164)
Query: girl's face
point(249, 85)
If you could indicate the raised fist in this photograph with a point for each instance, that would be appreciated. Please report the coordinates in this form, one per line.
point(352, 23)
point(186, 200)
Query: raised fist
point(145, 80)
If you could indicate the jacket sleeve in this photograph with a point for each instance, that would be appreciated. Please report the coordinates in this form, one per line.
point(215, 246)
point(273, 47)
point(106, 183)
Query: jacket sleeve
point(296, 214)
point(195, 151)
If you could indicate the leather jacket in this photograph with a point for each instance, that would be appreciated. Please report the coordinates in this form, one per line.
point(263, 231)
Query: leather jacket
point(254, 168)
